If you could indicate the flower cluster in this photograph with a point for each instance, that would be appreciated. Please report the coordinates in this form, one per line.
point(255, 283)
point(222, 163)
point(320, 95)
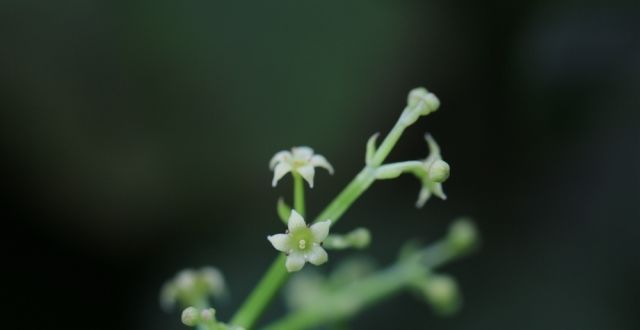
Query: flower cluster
point(317, 300)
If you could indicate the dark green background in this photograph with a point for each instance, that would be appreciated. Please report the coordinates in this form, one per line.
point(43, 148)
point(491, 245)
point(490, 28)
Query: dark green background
point(136, 137)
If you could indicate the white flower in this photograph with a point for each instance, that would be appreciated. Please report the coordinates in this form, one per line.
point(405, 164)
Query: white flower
point(190, 287)
point(299, 159)
point(302, 243)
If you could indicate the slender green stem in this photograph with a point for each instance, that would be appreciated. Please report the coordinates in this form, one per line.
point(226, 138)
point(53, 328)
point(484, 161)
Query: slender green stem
point(387, 145)
point(394, 170)
point(349, 194)
point(262, 295)
point(298, 193)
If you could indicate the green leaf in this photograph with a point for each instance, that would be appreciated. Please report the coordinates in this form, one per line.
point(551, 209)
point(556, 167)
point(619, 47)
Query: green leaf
point(284, 210)
point(371, 148)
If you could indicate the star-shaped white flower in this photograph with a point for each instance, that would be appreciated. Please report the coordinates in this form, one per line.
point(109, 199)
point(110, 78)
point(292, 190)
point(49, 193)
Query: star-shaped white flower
point(302, 243)
point(301, 160)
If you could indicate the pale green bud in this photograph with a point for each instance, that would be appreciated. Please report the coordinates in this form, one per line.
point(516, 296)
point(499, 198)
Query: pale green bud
point(443, 294)
point(462, 236)
point(208, 315)
point(420, 102)
point(425, 101)
point(439, 171)
point(190, 316)
point(359, 238)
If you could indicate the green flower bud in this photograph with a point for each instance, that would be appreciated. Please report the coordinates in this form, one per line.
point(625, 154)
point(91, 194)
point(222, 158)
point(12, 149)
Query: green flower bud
point(420, 102)
point(208, 315)
point(190, 316)
point(462, 236)
point(359, 238)
point(425, 101)
point(439, 171)
point(443, 294)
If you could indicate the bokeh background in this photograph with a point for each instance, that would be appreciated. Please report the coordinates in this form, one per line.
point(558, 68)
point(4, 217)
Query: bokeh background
point(136, 136)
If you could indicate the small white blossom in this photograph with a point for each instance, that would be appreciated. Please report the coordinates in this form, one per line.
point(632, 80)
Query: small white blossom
point(302, 243)
point(190, 316)
point(301, 160)
point(190, 287)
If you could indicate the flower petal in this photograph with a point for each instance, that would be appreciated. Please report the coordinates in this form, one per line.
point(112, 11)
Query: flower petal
point(307, 173)
point(295, 221)
point(302, 153)
point(295, 261)
point(280, 170)
point(320, 161)
point(318, 255)
point(320, 230)
point(280, 156)
point(423, 197)
point(280, 242)
point(436, 189)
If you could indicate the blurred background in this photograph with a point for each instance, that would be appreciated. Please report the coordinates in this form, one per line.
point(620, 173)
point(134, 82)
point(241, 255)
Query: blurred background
point(136, 137)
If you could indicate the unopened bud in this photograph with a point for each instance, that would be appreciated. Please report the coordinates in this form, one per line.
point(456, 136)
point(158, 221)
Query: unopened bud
point(439, 171)
point(442, 293)
point(359, 238)
point(190, 316)
point(208, 315)
point(463, 235)
point(425, 101)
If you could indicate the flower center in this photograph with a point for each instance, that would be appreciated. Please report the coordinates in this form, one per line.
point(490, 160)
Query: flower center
point(302, 238)
point(299, 162)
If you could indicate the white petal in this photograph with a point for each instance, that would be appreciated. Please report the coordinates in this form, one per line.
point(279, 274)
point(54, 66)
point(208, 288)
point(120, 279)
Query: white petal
point(320, 161)
point(437, 190)
point(280, 242)
point(320, 230)
point(280, 170)
point(279, 157)
point(295, 261)
point(302, 152)
point(307, 173)
point(295, 221)
point(423, 197)
point(318, 255)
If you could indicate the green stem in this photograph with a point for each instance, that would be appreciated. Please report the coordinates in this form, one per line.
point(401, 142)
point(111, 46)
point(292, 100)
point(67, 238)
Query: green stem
point(349, 194)
point(262, 295)
point(298, 193)
point(387, 145)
